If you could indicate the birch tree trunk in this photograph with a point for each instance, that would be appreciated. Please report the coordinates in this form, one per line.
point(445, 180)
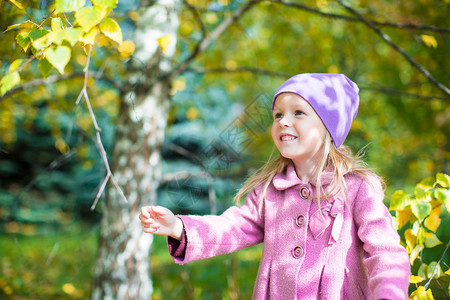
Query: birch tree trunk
point(122, 269)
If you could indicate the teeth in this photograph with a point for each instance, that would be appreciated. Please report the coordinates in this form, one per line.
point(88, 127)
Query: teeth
point(287, 138)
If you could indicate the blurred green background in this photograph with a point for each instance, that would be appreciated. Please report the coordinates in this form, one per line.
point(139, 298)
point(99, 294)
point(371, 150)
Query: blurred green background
point(50, 168)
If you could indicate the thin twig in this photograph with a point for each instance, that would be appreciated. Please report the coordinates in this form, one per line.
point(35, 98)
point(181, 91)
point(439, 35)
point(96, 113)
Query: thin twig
point(214, 35)
point(67, 20)
point(353, 19)
point(197, 18)
point(242, 69)
point(389, 41)
point(56, 78)
point(98, 141)
point(436, 266)
point(384, 90)
point(46, 18)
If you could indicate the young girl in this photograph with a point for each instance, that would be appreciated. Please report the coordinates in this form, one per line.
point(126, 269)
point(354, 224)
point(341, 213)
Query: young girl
point(318, 209)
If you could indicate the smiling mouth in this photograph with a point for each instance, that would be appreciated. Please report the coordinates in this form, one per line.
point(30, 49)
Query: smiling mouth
point(287, 138)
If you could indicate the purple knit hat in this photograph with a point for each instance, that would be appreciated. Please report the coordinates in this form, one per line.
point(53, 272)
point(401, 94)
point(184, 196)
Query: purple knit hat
point(334, 98)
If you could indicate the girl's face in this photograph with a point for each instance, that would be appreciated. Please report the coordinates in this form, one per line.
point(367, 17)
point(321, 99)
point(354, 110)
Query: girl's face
point(297, 131)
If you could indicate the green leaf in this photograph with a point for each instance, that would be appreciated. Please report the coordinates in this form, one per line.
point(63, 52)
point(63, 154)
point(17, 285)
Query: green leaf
point(432, 242)
point(9, 81)
point(420, 209)
point(57, 25)
point(415, 228)
point(37, 33)
point(437, 273)
point(89, 38)
point(428, 182)
point(10, 27)
point(58, 57)
point(414, 253)
point(43, 42)
point(68, 5)
point(73, 35)
point(105, 3)
point(443, 180)
point(15, 64)
point(397, 200)
point(23, 40)
point(90, 16)
point(443, 195)
point(45, 68)
point(111, 29)
point(422, 193)
point(421, 272)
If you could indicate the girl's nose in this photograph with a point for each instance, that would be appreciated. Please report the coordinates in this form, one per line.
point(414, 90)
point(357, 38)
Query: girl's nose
point(284, 122)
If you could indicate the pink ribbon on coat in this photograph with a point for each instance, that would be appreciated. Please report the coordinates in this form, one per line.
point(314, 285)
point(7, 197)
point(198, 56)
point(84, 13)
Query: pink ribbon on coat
point(332, 212)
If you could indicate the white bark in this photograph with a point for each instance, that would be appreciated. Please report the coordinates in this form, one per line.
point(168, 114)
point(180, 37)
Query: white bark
point(122, 270)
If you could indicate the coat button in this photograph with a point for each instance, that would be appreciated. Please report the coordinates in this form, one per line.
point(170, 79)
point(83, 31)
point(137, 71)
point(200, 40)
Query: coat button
point(304, 192)
point(300, 220)
point(297, 252)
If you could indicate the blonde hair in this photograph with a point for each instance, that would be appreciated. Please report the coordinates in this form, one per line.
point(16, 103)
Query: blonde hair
point(341, 160)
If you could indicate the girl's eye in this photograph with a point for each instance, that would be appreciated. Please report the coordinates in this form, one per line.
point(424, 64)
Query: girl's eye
point(278, 115)
point(299, 113)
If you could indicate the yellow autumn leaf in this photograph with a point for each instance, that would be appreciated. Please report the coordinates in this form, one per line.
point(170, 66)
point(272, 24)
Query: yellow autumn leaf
point(126, 49)
point(432, 222)
point(419, 294)
point(111, 29)
point(15, 64)
point(89, 38)
point(16, 3)
point(164, 42)
point(61, 145)
point(403, 216)
point(429, 40)
point(416, 279)
point(427, 235)
point(410, 238)
point(68, 288)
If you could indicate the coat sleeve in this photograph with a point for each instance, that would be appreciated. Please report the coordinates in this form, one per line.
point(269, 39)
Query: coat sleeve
point(209, 236)
point(386, 260)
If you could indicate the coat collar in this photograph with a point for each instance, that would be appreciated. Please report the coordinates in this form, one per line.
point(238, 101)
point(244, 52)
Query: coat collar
point(288, 178)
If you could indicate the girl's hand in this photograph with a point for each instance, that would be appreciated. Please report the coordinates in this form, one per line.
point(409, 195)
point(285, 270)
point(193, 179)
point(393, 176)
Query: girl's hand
point(160, 220)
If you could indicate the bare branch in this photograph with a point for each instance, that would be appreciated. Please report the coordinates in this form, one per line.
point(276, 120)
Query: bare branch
point(436, 266)
point(389, 41)
point(239, 70)
point(354, 19)
point(208, 40)
point(56, 78)
point(185, 153)
point(197, 18)
point(183, 175)
point(46, 18)
point(385, 90)
point(99, 142)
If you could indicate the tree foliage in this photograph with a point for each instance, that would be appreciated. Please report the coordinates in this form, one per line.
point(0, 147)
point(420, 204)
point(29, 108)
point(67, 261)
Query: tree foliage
point(422, 219)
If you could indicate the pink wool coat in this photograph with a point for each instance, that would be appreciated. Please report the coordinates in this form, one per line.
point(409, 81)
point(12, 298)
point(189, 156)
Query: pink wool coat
point(350, 251)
